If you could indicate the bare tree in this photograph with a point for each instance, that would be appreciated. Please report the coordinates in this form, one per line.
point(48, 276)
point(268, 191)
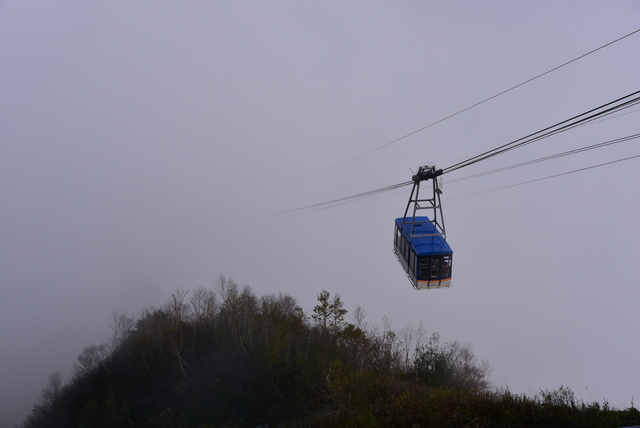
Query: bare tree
point(177, 308)
point(204, 306)
point(121, 325)
point(90, 359)
point(467, 372)
point(452, 365)
point(247, 315)
point(420, 334)
point(52, 393)
point(359, 316)
point(238, 311)
point(179, 313)
point(406, 344)
point(227, 288)
point(152, 329)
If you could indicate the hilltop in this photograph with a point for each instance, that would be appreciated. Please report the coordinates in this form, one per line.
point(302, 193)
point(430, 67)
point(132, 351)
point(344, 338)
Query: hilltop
point(229, 358)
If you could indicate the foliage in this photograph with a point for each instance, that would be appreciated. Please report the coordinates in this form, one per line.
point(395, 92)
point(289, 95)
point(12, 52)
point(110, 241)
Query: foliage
point(228, 358)
point(450, 365)
point(329, 314)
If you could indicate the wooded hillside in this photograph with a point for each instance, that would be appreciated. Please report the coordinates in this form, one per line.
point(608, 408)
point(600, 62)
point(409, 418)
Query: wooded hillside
point(230, 358)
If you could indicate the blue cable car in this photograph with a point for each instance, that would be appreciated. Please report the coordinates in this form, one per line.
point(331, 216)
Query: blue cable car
point(425, 256)
point(419, 241)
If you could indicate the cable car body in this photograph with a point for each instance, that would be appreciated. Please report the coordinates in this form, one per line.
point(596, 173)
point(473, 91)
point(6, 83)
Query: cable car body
point(420, 243)
point(425, 256)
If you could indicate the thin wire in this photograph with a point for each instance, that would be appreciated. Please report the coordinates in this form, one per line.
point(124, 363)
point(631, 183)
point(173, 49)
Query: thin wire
point(546, 132)
point(548, 177)
point(616, 116)
point(460, 111)
point(549, 131)
point(547, 158)
point(325, 207)
point(347, 198)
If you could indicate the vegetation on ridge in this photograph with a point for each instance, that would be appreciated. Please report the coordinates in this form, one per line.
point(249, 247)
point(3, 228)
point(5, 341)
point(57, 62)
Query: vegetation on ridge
point(230, 358)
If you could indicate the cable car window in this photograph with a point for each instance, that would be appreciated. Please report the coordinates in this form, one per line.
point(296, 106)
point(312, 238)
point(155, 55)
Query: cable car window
point(423, 268)
point(446, 267)
point(435, 264)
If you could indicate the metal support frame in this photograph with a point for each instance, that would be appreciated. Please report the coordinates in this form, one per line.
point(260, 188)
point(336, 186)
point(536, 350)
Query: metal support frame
point(432, 202)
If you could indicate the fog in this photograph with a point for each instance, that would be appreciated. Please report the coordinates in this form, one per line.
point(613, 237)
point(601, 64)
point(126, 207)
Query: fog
point(149, 146)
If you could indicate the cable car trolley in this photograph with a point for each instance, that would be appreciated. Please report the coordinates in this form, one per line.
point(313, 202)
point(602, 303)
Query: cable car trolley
point(420, 241)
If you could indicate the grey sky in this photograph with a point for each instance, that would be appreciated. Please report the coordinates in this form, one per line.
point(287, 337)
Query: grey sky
point(144, 145)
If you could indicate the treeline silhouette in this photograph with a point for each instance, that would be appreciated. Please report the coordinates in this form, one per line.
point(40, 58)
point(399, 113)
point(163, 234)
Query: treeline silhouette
point(228, 358)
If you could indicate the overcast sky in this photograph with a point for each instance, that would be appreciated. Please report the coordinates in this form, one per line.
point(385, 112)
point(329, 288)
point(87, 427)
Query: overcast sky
point(144, 147)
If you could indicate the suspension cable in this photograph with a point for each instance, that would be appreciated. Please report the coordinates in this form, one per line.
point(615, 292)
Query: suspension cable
point(583, 118)
point(348, 198)
point(547, 158)
point(588, 116)
point(549, 177)
point(462, 111)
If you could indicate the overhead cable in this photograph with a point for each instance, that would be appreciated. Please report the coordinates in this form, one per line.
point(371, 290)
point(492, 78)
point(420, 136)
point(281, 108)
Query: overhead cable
point(549, 177)
point(462, 111)
point(348, 198)
point(588, 116)
point(547, 158)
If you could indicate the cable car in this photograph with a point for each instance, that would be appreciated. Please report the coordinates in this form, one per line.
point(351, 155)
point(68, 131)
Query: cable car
point(420, 241)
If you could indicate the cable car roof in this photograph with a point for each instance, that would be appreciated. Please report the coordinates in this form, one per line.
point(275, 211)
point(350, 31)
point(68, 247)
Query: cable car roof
point(423, 245)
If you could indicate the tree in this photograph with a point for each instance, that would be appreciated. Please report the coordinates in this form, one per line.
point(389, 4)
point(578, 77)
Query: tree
point(238, 312)
point(450, 365)
point(90, 359)
point(329, 314)
point(179, 313)
point(563, 396)
point(386, 352)
point(468, 373)
point(177, 308)
point(52, 393)
point(204, 306)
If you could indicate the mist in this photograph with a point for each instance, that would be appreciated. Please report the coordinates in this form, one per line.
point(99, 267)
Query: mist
point(148, 147)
